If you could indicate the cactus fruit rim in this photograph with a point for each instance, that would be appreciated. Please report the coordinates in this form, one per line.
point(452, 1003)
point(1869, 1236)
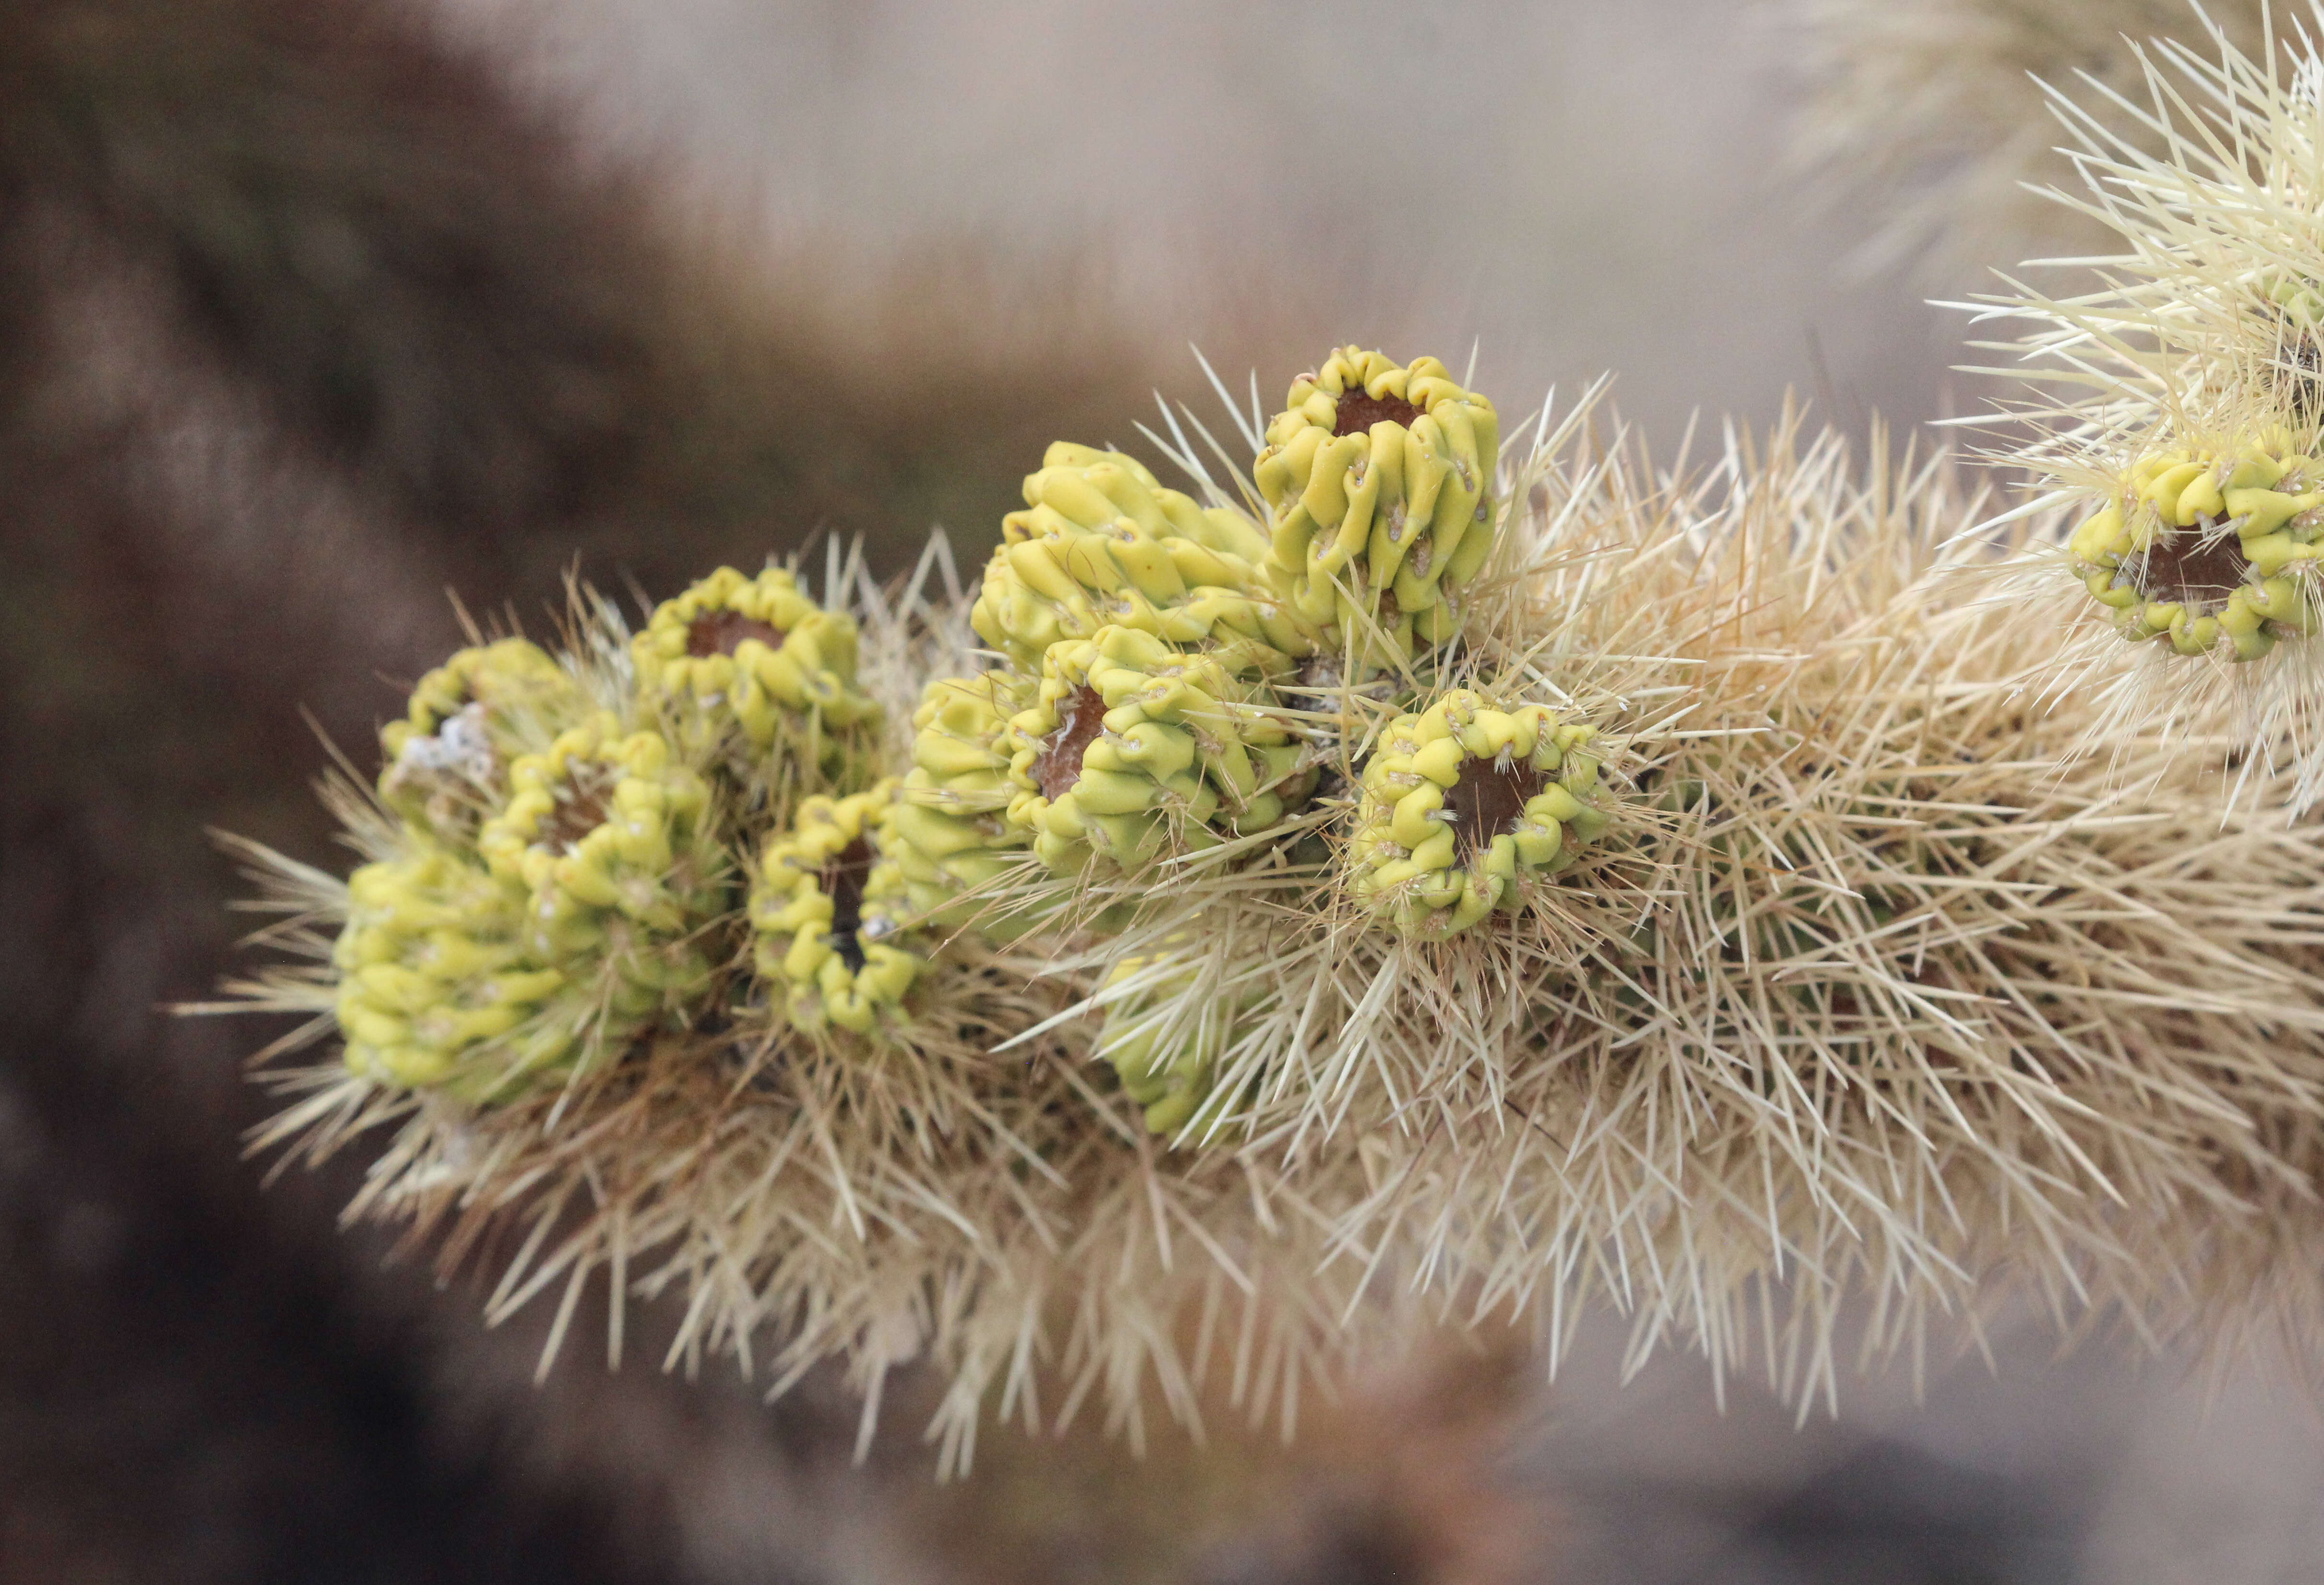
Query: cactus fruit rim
point(843, 879)
point(1485, 800)
point(1360, 411)
point(1081, 717)
point(722, 632)
point(2198, 568)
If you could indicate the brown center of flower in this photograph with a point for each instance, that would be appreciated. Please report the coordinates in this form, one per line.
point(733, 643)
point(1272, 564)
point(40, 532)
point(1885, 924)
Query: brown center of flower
point(1080, 716)
point(722, 632)
point(2197, 568)
point(1486, 799)
point(580, 806)
point(843, 878)
point(1360, 411)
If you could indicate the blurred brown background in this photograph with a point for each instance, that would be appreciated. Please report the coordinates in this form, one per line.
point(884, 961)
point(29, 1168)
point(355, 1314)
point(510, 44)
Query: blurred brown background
point(313, 309)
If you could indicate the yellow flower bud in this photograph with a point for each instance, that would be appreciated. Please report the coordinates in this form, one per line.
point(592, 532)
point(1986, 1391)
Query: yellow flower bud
point(612, 843)
point(437, 980)
point(1101, 543)
point(447, 761)
point(948, 830)
point(1165, 1041)
point(1132, 747)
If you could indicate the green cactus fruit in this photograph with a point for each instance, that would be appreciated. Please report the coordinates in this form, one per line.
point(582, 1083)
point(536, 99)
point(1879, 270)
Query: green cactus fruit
point(1164, 1039)
point(2202, 546)
point(436, 986)
point(1101, 543)
point(1463, 801)
point(949, 830)
point(830, 910)
point(755, 656)
point(615, 847)
point(1132, 747)
point(445, 762)
point(1378, 481)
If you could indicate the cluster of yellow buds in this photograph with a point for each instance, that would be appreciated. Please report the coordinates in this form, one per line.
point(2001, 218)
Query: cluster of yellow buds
point(566, 878)
point(829, 907)
point(2202, 544)
point(755, 656)
point(1151, 644)
point(1379, 482)
point(1132, 747)
point(1461, 804)
point(613, 846)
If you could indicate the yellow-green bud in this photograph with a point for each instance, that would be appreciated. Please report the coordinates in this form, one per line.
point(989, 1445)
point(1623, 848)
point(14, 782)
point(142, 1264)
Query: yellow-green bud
point(830, 911)
point(1380, 483)
point(1163, 1040)
point(754, 655)
point(437, 987)
point(1463, 802)
point(447, 761)
point(949, 830)
point(1133, 748)
point(613, 842)
point(1101, 543)
point(2208, 547)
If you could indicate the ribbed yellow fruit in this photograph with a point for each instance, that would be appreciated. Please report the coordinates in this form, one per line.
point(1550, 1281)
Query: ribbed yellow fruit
point(829, 908)
point(1101, 543)
point(2206, 547)
point(754, 657)
point(1461, 804)
point(1380, 482)
point(1132, 747)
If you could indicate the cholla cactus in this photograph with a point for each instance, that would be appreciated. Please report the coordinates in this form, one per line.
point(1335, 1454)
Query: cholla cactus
point(446, 760)
point(754, 658)
point(1132, 747)
point(1380, 482)
point(1463, 803)
point(829, 907)
point(2202, 546)
point(1870, 1000)
point(615, 847)
point(1102, 544)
